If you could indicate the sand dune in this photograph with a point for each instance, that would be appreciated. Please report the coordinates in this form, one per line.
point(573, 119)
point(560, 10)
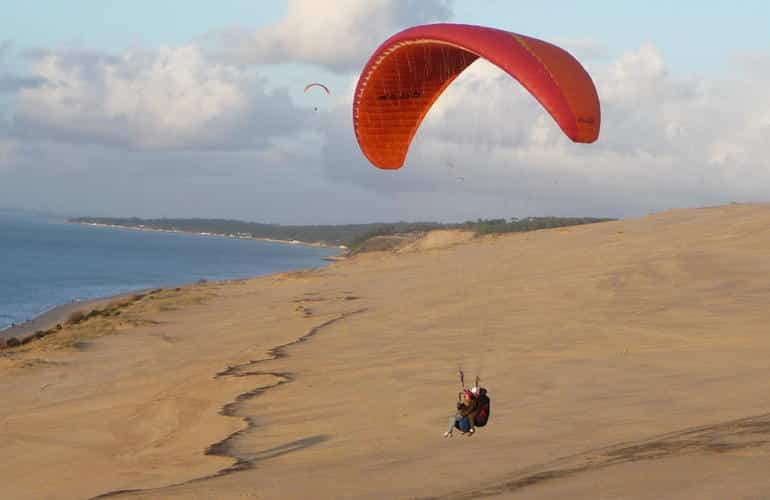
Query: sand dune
point(624, 359)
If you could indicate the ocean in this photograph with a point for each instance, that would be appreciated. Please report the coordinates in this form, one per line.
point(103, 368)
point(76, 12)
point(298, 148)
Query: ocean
point(45, 262)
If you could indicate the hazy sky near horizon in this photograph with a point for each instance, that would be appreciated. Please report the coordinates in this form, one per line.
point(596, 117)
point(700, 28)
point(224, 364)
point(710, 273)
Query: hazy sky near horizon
point(196, 109)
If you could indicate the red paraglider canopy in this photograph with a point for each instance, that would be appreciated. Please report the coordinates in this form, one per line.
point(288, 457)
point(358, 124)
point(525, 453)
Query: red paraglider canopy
point(408, 72)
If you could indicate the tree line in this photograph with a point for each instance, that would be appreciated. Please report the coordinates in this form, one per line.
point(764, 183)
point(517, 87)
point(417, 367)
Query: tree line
point(349, 235)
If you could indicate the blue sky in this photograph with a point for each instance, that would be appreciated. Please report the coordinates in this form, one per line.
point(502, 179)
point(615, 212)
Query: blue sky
point(696, 36)
point(115, 25)
point(195, 108)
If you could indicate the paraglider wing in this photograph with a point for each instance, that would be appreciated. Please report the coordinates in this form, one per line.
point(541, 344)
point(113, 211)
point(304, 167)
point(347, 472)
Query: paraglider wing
point(410, 70)
point(319, 85)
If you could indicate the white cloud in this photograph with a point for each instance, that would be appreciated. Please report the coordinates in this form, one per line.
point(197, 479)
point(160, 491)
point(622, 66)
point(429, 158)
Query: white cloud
point(486, 149)
point(665, 142)
point(173, 98)
point(9, 81)
point(755, 63)
point(338, 35)
point(584, 48)
point(7, 149)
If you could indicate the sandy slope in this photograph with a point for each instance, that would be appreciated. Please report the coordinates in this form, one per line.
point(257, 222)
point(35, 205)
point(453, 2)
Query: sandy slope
point(58, 315)
point(625, 360)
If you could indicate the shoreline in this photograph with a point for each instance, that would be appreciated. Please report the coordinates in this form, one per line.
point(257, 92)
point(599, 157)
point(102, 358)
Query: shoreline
point(58, 315)
point(316, 244)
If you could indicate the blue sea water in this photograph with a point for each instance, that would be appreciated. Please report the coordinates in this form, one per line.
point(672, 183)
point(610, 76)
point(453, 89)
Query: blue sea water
point(45, 262)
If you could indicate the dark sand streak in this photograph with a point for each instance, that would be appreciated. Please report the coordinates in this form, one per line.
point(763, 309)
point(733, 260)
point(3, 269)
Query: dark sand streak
point(733, 435)
point(224, 448)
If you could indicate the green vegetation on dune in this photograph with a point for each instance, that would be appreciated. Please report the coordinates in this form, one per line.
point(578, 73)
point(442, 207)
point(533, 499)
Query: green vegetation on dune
point(349, 235)
point(515, 225)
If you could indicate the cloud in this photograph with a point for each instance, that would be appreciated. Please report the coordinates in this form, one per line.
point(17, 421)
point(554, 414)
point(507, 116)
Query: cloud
point(5, 47)
point(176, 132)
point(338, 36)
point(584, 48)
point(666, 142)
point(7, 148)
point(272, 185)
point(754, 63)
point(171, 98)
point(11, 82)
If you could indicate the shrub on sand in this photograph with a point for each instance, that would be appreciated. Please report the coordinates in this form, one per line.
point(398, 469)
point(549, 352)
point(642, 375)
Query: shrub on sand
point(76, 317)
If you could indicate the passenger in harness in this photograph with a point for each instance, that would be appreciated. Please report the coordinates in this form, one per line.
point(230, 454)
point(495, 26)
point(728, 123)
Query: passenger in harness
point(465, 417)
point(472, 410)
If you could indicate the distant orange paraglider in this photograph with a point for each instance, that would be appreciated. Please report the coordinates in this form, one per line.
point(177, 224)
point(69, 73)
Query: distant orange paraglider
point(410, 70)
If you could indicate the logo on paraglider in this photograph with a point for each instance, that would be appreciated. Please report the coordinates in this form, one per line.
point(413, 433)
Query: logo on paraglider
point(398, 96)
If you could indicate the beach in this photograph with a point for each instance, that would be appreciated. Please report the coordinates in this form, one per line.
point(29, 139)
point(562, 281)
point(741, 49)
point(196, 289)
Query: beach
point(48, 262)
point(625, 359)
point(58, 316)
